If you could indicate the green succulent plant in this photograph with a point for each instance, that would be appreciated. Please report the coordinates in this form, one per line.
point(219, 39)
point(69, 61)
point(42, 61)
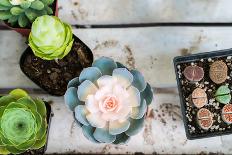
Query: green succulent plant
point(23, 123)
point(24, 12)
point(50, 38)
point(109, 101)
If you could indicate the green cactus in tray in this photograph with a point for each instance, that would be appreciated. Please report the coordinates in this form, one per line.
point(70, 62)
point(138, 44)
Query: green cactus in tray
point(23, 123)
point(24, 12)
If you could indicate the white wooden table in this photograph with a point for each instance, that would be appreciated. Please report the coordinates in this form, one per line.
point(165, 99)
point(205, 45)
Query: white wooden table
point(149, 49)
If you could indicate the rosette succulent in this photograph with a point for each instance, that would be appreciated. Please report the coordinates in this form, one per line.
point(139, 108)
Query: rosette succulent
point(109, 101)
point(50, 38)
point(23, 123)
point(24, 12)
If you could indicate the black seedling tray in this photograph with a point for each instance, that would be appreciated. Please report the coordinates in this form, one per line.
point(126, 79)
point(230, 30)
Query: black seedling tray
point(29, 51)
point(183, 60)
point(50, 114)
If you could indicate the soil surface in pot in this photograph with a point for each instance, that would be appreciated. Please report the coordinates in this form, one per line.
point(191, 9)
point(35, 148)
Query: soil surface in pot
point(218, 127)
point(54, 76)
point(34, 152)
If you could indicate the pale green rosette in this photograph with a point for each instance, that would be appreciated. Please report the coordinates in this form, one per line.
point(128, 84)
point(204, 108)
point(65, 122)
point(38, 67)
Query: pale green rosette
point(23, 123)
point(50, 38)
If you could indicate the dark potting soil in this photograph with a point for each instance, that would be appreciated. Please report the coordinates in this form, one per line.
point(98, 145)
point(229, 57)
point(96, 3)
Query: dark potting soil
point(34, 152)
point(54, 76)
point(187, 87)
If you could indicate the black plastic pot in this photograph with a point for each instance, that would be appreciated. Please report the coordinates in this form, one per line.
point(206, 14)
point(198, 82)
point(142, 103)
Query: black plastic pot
point(88, 52)
point(50, 114)
point(193, 58)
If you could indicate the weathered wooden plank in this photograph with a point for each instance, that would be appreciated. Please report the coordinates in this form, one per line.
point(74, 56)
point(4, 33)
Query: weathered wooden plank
point(163, 133)
point(145, 11)
point(150, 50)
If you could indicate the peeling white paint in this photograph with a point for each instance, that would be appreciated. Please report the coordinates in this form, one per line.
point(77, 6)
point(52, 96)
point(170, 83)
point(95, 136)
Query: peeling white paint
point(144, 11)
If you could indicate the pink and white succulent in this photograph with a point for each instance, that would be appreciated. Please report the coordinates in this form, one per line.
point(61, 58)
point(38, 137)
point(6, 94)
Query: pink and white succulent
point(109, 101)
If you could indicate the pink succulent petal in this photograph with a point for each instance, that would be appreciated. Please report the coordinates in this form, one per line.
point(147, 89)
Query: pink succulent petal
point(120, 92)
point(86, 88)
point(103, 92)
point(109, 116)
point(96, 120)
point(91, 104)
point(106, 80)
point(134, 96)
point(123, 113)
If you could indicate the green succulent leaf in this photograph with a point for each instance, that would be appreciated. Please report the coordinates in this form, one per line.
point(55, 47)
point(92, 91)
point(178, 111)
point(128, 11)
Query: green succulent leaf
point(49, 10)
point(14, 150)
point(40, 143)
point(23, 21)
point(28, 102)
point(41, 108)
point(2, 108)
point(42, 130)
point(4, 15)
point(15, 105)
point(2, 7)
point(42, 12)
point(18, 93)
point(25, 4)
point(3, 150)
point(31, 14)
point(5, 100)
point(13, 19)
point(16, 10)
point(37, 5)
point(5, 3)
point(28, 144)
point(47, 2)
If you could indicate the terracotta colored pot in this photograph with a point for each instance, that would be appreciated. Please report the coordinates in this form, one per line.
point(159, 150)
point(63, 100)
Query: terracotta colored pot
point(26, 31)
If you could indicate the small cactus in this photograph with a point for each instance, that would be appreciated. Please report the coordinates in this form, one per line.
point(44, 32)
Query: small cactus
point(24, 12)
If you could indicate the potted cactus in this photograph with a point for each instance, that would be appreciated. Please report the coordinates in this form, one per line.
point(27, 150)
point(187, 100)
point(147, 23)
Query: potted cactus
point(109, 101)
point(55, 55)
point(19, 14)
point(24, 124)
